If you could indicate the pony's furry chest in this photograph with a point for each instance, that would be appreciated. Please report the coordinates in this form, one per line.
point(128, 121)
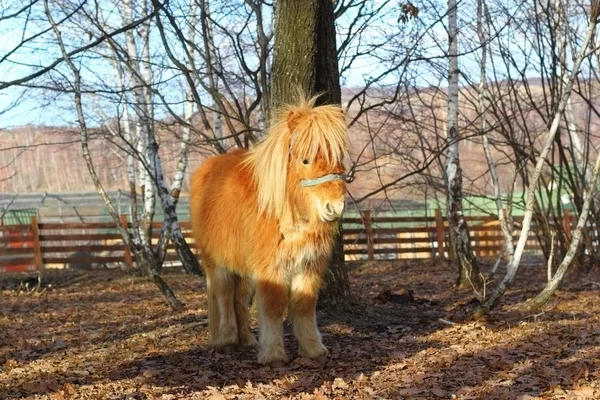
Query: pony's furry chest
point(301, 250)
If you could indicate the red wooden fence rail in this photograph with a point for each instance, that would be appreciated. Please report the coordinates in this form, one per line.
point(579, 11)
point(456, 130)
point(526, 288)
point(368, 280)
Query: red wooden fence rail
point(81, 245)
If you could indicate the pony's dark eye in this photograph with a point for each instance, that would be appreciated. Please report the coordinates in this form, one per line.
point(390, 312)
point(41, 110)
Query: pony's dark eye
point(305, 161)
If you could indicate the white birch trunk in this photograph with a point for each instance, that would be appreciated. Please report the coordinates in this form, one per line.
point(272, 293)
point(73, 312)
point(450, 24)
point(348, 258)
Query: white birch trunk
point(131, 142)
point(142, 253)
point(507, 229)
point(543, 297)
point(572, 129)
point(141, 77)
point(263, 44)
point(467, 264)
point(142, 108)
point(513, 266)
point(214, 70)
point(188, 110)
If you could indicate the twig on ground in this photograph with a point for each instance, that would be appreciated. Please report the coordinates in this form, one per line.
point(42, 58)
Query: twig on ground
point(535, 316)
point(184, 328)
point(447, 322)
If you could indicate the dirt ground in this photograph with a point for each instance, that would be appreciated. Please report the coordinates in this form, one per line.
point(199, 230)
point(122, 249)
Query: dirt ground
point(109, 335)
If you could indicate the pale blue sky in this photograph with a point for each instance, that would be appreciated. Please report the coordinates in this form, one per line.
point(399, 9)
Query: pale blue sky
point(45, 108)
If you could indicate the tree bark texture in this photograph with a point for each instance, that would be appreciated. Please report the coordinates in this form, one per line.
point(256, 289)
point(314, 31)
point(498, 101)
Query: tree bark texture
point(305, 62)
point(304, 53)
point(467, 263)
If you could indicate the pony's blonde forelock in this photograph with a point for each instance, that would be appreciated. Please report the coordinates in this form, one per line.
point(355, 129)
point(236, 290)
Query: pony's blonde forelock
point(319, 129)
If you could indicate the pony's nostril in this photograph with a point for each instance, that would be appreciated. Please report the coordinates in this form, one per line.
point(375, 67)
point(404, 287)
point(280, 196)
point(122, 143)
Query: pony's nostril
point(328, 208)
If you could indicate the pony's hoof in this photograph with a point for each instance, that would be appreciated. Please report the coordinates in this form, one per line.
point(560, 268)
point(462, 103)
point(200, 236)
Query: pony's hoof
point(278, 364)
point(273, 358)
point(224, 345)
point(228, 349)
point(248, 342)
point(316, 352)
point(227, 338)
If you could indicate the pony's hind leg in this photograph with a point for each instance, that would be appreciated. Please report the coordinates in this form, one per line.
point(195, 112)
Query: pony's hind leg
point(211, 298)
point(222, 293)
point(302, 312)
point(244, 291)
point(272, 301)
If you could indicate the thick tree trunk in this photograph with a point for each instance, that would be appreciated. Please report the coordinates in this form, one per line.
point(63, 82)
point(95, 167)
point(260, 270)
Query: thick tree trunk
point(337, 284)
point(304, 54)
point(305, 61)
point(468, 269)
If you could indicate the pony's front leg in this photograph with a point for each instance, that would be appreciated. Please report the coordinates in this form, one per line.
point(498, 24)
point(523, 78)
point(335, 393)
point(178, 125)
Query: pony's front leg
point(303, 303)
point(272, 300)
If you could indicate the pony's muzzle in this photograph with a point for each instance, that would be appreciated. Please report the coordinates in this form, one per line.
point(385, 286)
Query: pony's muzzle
point(333, 210)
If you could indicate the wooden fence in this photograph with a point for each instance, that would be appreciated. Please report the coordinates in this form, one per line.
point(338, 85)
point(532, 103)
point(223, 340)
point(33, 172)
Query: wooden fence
point(83, 245)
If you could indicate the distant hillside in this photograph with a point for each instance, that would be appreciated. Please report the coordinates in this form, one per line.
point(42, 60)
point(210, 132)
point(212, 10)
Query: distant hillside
point(38, 159)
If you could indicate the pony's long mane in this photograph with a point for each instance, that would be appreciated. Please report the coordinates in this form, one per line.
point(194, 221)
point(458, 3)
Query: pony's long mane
point(302, 130)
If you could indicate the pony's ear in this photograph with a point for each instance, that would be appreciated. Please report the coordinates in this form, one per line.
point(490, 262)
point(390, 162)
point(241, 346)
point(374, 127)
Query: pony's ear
point(293, 119)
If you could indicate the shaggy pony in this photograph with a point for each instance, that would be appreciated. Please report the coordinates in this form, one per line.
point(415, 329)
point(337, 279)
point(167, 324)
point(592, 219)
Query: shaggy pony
point(263, 220)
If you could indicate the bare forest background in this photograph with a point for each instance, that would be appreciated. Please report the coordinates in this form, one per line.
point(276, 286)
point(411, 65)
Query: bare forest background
point(473, 106)
point(445, 100)
point(392, 58)
point(39, 155)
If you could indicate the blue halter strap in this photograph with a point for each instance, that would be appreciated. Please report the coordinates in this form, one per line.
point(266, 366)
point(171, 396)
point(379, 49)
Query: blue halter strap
point(325, 178)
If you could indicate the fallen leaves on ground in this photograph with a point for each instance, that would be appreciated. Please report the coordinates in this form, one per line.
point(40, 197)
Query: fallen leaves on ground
point(109, 335)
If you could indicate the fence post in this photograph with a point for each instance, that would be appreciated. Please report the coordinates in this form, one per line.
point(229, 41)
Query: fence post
point(37, 247)
point(369, 231)
point(127, 254)
point(567, 224)
point(439, 225)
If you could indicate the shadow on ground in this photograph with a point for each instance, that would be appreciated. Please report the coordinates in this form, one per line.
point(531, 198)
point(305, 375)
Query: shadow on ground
point(111, 336)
